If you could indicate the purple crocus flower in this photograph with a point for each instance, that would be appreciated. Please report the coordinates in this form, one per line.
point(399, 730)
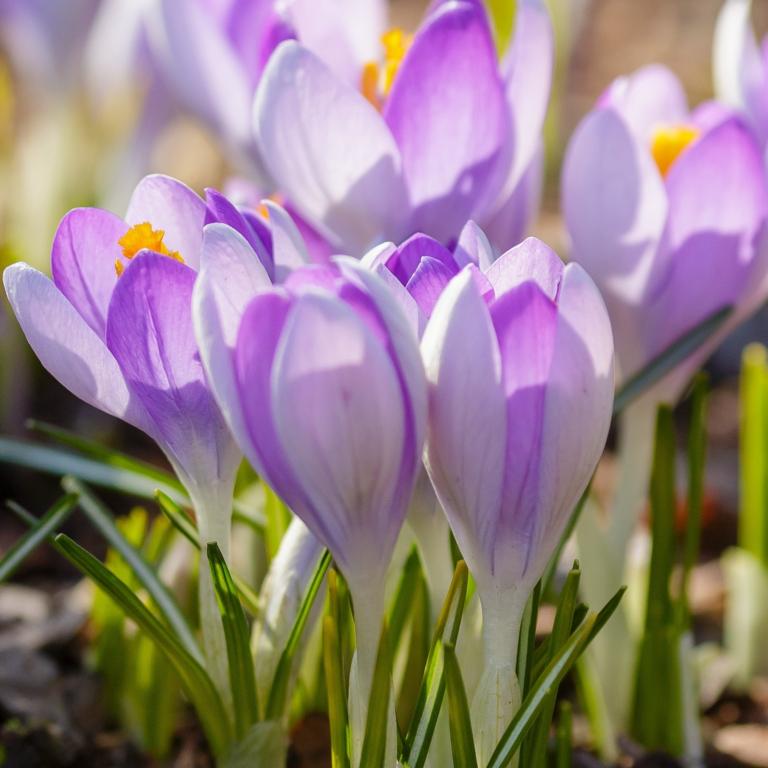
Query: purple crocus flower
point(322, 385)
point(665, 208)
point(521, 392)
point(434, 134)
point(741, 66)
point(212, 54)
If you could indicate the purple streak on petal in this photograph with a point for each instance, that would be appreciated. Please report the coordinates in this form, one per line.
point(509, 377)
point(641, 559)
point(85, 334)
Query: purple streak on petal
point(649, 97)
point(448, 112)
point(150, 333)
point(428, 282)
point(257, 342)
point(531, 260)
point(406, 259)
point(219, 209)
point(525, 322)
point(255, 28)
point(338, 411)
point(83, 262)
point(169, 205)
point(66, 345)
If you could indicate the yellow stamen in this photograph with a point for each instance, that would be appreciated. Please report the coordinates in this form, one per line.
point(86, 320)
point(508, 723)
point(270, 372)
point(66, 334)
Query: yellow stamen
point(377, 79)
point(142, 237)
point(668, 142)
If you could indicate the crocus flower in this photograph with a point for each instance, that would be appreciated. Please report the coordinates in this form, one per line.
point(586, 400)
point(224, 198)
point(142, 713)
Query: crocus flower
point(521, 390)
point(434, 131)
point(664, 207)
point(114, 326)
point(212, 55)
point(322, 385)
point(741, 66)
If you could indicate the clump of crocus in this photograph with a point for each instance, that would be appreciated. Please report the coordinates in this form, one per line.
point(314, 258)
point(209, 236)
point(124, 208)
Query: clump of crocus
point(430, 132)
point(114, 326)
point(321, 382)
point(741, 66)
point(519, 363)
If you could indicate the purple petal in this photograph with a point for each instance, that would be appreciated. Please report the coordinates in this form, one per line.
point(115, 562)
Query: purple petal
point(473, 248)
point(150, 333)
point(525, 322)
point(614, 203)
point(66, 345)
point(448, 113)
point(650, 97)
point(169, 205)
point(531, 260)
point(83, 262)
point(407, 257)
point(230, 276)
point(289, 250)
point(579, 402)
point(467, 410)
point(329, 151)
point(428, 282)
point(338, 409)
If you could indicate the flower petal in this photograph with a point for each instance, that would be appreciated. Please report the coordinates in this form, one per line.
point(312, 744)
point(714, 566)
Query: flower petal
point(473, 248)
point(289, 251)
point(230, 276)
point(150, 333)
point(329, 151)
point(335, 394)
point(614, 204)
point(467, 410)
point(531, 260)
point(66, 345)
point(169, 205)
point(83, 262)
point(449, 115)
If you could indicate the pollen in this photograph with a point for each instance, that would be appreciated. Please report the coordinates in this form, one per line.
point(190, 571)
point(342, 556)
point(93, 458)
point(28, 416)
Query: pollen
point(668, 142)
point(142, 237)
point(377, 78)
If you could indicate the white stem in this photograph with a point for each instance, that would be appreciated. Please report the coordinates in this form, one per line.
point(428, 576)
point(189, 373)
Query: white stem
point(497, 698)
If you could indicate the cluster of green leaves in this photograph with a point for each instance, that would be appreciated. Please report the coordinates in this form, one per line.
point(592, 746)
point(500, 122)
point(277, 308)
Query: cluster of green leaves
point(660, 696)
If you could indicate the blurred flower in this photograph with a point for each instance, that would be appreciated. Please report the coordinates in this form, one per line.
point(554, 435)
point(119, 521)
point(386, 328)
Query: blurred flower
point(429, 132)
point(665, 208)
point(212, 55)
point(521, 391)
point(741, 66)
point(321, 383)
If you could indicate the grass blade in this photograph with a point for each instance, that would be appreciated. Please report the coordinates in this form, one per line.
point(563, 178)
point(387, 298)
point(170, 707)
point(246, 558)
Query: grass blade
point(422, 726)
point(278, 694)
point(552, 676)
point(41, 530)
point(104, 522)
point(237, 636)
point(377, 722)
point(670, 358)
point(564, 737)
point(337, 698)
point(198, 685)
point(462, 741)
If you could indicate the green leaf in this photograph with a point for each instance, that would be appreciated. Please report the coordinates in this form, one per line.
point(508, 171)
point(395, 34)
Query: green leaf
point(103, 521)
point(242, 679)
point(753, 449)
point(564, 737)
point(670, 358)
point(278, 693)
point(422, 726)
point(195, 680)
point(556, 670)
point(697, 451)
point(278, 518)
point(502, 13)
point(377, 722)
point(657, 703)
point(462, 741)
point(525, 653)
point(56, 461)
point(401, 605)
point(41, 529)
point(337, 698)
